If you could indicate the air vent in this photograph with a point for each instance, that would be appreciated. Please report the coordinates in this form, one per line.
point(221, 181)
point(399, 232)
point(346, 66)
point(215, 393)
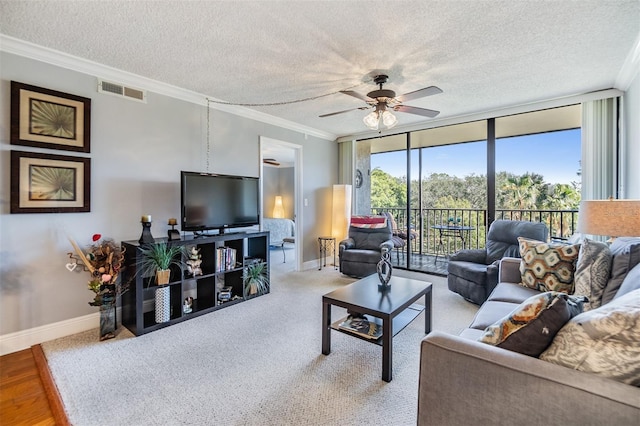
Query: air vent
point(121, 90)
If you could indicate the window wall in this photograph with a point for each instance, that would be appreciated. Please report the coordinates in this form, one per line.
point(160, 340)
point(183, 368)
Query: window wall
point(445, 185)
point(538, 168)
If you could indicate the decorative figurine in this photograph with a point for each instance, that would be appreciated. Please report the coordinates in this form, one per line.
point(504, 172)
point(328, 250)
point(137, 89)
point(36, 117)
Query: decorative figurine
point(187, 306)
point(194, 262)
point(384, 269)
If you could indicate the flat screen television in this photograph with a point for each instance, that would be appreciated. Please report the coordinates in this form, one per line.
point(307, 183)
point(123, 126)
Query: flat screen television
point(218, 202)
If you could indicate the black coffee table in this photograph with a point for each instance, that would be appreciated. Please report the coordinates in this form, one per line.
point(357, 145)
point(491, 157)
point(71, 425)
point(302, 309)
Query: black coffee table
point(395, 307)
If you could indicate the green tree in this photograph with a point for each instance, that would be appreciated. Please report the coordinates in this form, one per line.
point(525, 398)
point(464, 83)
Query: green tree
point(522, 192)
point(561, 197)
point(386, 190)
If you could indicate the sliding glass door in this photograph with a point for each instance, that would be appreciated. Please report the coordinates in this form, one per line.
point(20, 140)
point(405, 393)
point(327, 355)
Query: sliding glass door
point(444, 186)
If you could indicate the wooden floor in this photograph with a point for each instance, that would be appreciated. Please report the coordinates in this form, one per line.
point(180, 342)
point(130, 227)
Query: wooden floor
point(25, 397)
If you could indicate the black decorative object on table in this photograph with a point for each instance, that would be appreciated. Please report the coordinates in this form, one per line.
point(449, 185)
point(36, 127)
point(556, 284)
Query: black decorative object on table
point(173, 233)
point(384, 269)
point(146, 237)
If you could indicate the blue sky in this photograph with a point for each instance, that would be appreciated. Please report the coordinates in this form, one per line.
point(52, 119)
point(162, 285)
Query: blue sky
point(554, 155)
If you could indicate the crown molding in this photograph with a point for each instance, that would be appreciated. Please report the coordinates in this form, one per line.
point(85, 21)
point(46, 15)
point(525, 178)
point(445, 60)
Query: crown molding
point(64, 60)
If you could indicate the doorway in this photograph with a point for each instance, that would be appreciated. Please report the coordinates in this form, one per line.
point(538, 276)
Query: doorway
point(282, 159)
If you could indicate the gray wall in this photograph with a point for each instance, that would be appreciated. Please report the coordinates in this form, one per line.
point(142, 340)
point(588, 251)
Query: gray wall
point(137, 152)
point(631, 108)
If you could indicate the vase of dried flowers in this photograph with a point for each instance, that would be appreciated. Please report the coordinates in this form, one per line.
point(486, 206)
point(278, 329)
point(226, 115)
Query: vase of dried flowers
point(103, 260)
point(108, 318)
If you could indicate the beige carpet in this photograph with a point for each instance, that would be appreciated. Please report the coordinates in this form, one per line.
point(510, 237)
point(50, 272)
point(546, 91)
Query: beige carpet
point(256, 363)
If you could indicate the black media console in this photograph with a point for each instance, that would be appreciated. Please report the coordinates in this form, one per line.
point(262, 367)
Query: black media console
point(220, 284)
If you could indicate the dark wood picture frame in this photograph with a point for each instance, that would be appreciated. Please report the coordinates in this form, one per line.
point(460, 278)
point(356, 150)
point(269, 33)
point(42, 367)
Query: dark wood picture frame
point(47, 118)
point(47, 183)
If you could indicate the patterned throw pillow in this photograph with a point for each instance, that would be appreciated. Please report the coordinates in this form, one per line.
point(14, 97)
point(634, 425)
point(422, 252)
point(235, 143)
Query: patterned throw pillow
point(547, 266)
point(531, 327)
point(592, 272)
point(626, 255)
point(369, 222)
point(604, 341)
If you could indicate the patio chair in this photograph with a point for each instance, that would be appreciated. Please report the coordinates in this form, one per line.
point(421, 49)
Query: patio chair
point(473, 273)
point(400, 237)
point(369, 238)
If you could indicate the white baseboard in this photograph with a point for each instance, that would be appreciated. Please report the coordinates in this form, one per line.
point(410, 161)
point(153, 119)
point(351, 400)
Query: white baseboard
point(24, 339)
point(14, 342)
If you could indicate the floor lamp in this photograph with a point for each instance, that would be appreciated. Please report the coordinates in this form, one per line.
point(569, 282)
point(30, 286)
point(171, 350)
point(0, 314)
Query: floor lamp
point(341, 212)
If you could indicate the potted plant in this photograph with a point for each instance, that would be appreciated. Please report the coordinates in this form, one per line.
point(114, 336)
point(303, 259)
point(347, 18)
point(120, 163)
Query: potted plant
point(255, 279)
point(157, 259)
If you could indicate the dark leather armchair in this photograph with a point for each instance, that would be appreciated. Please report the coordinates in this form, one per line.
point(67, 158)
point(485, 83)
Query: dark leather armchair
point(473, 273)
point(361, 252)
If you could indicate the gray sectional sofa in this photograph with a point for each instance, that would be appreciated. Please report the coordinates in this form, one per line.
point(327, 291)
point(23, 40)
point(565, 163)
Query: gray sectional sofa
point(466, 382)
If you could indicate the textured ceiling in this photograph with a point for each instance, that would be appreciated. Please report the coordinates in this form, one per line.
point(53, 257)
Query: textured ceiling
point(483, 54)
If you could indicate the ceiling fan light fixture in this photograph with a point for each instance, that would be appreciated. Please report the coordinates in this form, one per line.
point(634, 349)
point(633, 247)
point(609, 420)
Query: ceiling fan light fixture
point(371, 120)
point(389, 119)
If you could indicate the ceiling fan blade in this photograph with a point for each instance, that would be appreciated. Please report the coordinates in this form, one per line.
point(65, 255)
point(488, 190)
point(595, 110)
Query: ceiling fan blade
point(357, 95)
point(340, 112)
point(421, 93)
point(415, 110)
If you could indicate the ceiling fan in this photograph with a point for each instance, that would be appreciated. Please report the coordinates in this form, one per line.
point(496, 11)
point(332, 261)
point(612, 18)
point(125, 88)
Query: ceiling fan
point(271, 161)
point(383, 100)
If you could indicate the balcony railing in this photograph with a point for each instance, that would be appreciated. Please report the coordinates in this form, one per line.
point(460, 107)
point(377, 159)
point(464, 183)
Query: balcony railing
point(432, 239)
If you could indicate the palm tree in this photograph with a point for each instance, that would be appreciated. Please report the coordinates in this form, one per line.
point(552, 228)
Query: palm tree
point(561, 197)
point(522, 192)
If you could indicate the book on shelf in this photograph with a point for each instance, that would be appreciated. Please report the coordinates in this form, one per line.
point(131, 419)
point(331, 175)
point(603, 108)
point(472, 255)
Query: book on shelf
point(365, 326)
point(225, 258)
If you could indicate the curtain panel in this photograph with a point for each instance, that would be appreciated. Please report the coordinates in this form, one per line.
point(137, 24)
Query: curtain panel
point(600, 149)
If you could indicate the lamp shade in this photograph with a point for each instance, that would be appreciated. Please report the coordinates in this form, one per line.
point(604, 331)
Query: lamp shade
point(278, 208)
point(389, 119)
point(371, 120)
point(341, 212)
point(612, 218)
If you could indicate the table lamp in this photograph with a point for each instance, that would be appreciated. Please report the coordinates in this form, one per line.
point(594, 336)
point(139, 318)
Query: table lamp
point(611, 218)
point(278, 208)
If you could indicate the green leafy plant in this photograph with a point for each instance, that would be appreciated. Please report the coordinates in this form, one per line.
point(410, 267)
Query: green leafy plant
point(255, 279)
point(159, 257)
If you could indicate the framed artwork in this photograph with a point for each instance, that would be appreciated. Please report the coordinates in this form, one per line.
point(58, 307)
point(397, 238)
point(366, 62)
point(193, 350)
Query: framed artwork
point(48, 119)
point(47, 183)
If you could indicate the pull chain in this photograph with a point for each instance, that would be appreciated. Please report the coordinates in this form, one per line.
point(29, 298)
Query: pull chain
point(208, 135)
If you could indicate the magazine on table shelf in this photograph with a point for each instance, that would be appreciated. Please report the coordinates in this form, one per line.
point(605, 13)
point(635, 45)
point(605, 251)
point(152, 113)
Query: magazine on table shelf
point(365, 326)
